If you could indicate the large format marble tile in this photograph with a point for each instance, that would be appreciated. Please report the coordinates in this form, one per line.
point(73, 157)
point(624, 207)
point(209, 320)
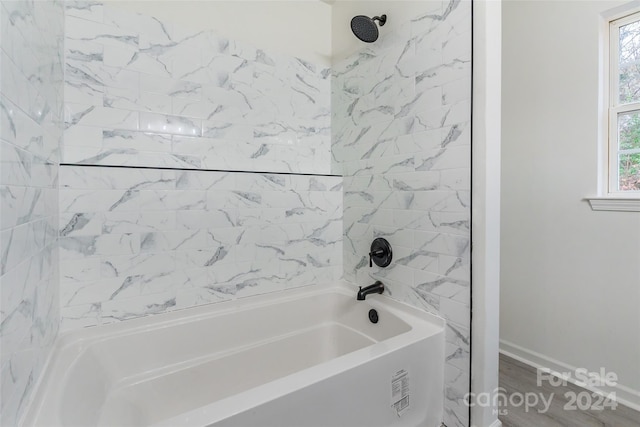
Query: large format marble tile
point(143, 92)
point(136, 242)
point(401, 138)
point(31, 126)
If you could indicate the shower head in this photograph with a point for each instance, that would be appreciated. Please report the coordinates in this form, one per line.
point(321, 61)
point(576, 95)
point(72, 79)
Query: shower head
point(365, 28)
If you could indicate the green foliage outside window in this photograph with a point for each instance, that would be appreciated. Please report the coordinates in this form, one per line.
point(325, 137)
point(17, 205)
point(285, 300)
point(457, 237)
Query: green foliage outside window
point(629, 123)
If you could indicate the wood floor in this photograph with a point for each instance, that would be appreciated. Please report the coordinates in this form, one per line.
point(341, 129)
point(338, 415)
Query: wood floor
point(517, 377)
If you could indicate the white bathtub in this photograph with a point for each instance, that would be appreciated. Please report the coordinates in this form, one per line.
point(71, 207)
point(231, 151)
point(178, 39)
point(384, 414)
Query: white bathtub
point(307, 357)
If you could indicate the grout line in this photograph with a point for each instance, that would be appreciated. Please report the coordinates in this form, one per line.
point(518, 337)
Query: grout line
point(201, 170)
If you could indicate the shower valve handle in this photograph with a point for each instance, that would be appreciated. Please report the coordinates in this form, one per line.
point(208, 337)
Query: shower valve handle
point(376, 253)
point(380, 253)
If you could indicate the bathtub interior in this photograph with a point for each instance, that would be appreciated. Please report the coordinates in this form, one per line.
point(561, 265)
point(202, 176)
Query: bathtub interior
point(143, 373)
point(150, 397)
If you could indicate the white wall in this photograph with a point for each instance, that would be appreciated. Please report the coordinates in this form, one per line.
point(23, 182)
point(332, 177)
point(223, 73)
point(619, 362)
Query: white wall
point(300, 28)
point(570, 289)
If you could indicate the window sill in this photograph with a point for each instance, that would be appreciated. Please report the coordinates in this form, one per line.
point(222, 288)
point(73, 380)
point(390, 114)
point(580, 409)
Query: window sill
point(610, 203)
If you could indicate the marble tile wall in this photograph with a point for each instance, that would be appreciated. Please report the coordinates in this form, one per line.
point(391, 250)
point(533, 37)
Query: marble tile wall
point(401, 136)
point(31, 126)
point(135, 242)
point(142, 92)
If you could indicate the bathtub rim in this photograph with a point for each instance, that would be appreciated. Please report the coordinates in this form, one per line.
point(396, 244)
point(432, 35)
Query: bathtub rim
point(179, 316)
point(85, 337)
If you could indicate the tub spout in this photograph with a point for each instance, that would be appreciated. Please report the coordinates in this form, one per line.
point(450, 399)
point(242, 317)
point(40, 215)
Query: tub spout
point(376, 288)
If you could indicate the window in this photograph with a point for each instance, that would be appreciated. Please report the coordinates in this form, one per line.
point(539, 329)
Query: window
point(624, 106)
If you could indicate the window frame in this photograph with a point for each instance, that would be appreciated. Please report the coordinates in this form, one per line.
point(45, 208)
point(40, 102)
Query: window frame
point(615, 107)
point(607, 200)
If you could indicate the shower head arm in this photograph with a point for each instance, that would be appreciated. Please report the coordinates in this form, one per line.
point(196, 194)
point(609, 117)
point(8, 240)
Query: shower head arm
point(382, 19)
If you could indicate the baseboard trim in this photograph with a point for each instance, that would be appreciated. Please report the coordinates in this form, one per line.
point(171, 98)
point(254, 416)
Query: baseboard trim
point(623, 395)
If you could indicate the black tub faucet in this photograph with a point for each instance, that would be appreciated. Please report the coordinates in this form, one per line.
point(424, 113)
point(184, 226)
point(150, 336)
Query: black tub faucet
point(376, 288)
